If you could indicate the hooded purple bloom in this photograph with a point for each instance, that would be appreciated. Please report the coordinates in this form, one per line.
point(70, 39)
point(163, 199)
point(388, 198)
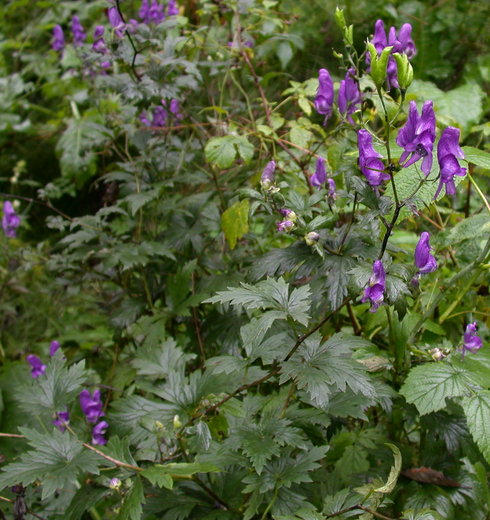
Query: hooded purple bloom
point(417, 136)
point(332, 189)
point(62, 418)
point(172, 8)
point(320, 175)
point(159, 116)
point(404, 43)
point(285, 225)
point(374, 292)
point(324, 94)
point(38, 368)
point(370, 161)
point(143, 13)
point(174, 108)
point(267, 177)
point(53, 347)
point(423, 259)
point(156, 12)
point(78, 32)
point(99, 42)
point(10, 220)
point(349, 95)
point(98, 433)
point(91, 405)
point(448, 153)
point(471, 341)
point(116, 21)
point(58, 43)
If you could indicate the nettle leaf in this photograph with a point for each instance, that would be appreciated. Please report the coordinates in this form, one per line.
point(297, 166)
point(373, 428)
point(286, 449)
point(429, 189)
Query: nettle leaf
point(477, 411)
point(57, 460)
point(222, 151)
point(428, 386)
point(132, 506)
point(234, 222)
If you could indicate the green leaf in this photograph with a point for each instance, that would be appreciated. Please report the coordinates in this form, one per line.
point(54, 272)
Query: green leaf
point(57, 460)
point(477, 157)
point(428, 386)
point(186, 469)
point(353, 460)
point(158, 476)
point(85, 498)
point(469, 228)
point(338, 279)
point(477, 411)
point(221, 151)
point(394, 472)
point(132, 506)
point(234, 222)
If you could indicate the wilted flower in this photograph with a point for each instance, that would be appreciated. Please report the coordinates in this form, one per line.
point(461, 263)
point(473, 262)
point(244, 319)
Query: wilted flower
point(116, 21)
point(423, 259)
point(267, 177)
point(62, 418)
point(374, 292)
point(78, 32)
point(349, 95)
point(91, 405)
point(172, 8)
point(38, 368)
point(370, 162)
point(324, 94)
point(10, 220)
point(448, 150)
point(58, 43)
point(312, 238)
point(471, 341)
point(417, 136)
point(98, 433)
point(320, 175)
point(53, 347)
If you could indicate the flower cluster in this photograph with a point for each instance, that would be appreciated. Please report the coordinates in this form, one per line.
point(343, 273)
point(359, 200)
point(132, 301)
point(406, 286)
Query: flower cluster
point(401, 42)
point(92, 408)
point(349, 95)
point(288, 223)
point(155, 13)
point(10, 220)
point(319, 178)
point(161, 114)
point(370, 162)
point(37, 366)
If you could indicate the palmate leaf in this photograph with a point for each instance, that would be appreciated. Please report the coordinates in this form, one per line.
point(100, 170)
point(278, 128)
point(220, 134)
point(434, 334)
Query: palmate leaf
point(428, 386)
point(57, 460)
point(132, 506)
point(477, 411)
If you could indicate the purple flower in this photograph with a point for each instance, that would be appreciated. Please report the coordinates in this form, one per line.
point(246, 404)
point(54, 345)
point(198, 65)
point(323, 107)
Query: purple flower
point(174, 108)
point(320, 175)
point(10, 220)
point(285, 225)
point(53, 347)
point(288, 213)
point(172, 8)
point(267, 177)
point(62, 418)
point(58, 43)
point(404, 43)
point(116, 21)
point(423, 259)
point(349, 95)
point(156, 12)
point(98, 433)
point(143, 13)
point(312, 238)
point(91, 405)
point(417, 136)
point(159, 116)
point(471, 341)
point(332, 189)
point(370, 161)
point(324, 94)
point(38, 368)
point(448, 152)
point(374, 292)
point(144, 119)
point(78, 32)
point(99, 42)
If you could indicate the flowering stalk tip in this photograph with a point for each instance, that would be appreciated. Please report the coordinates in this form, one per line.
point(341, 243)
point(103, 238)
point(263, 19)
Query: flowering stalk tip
point(374, 292)
point(424, 260)
point(10, 220)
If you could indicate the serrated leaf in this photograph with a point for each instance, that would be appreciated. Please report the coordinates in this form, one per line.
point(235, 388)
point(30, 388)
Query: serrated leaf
point(132, 506)
point(234, 222)
point(137, 200)
point(477, 411)
point(221, 151)
point(158, 477)
point(394, 472)
point(469, 228)
point(338, 279)
point(428, 386)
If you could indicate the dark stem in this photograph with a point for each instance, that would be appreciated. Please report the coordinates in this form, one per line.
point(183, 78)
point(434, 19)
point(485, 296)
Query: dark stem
point(135, 50)
point(389, 229)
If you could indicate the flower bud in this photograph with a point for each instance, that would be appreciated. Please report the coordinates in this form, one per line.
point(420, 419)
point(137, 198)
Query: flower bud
point(379, 64)
point(267, 178)
point(177, 423)
point(115, 483)
point(404, 70)
point(289, 214)
point(340, 18)
point(312, 238)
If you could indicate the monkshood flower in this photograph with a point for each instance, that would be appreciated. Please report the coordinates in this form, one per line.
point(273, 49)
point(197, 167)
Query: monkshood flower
point(159, 116)
point(425, 262)
point(10, 220)
point(37, 366)
point(98, 433)
point(370, 161)
point(116, 21)
point(332, 189)
point(156, 12)
point(324, 94)
point(62, 419)
point(79, 35)
point(289, 214)
point(172, 8)
point(471, 341)
point(417, 136)
point(54, 347)
point(99, 42)
point(349, 95)
point(267, 177)
point(58, 43)
point(374, 292)
point(448, 153)
point(237, 44)
point(285, 225)
point(174, 108)
point(91, 405)
point(320, 176)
